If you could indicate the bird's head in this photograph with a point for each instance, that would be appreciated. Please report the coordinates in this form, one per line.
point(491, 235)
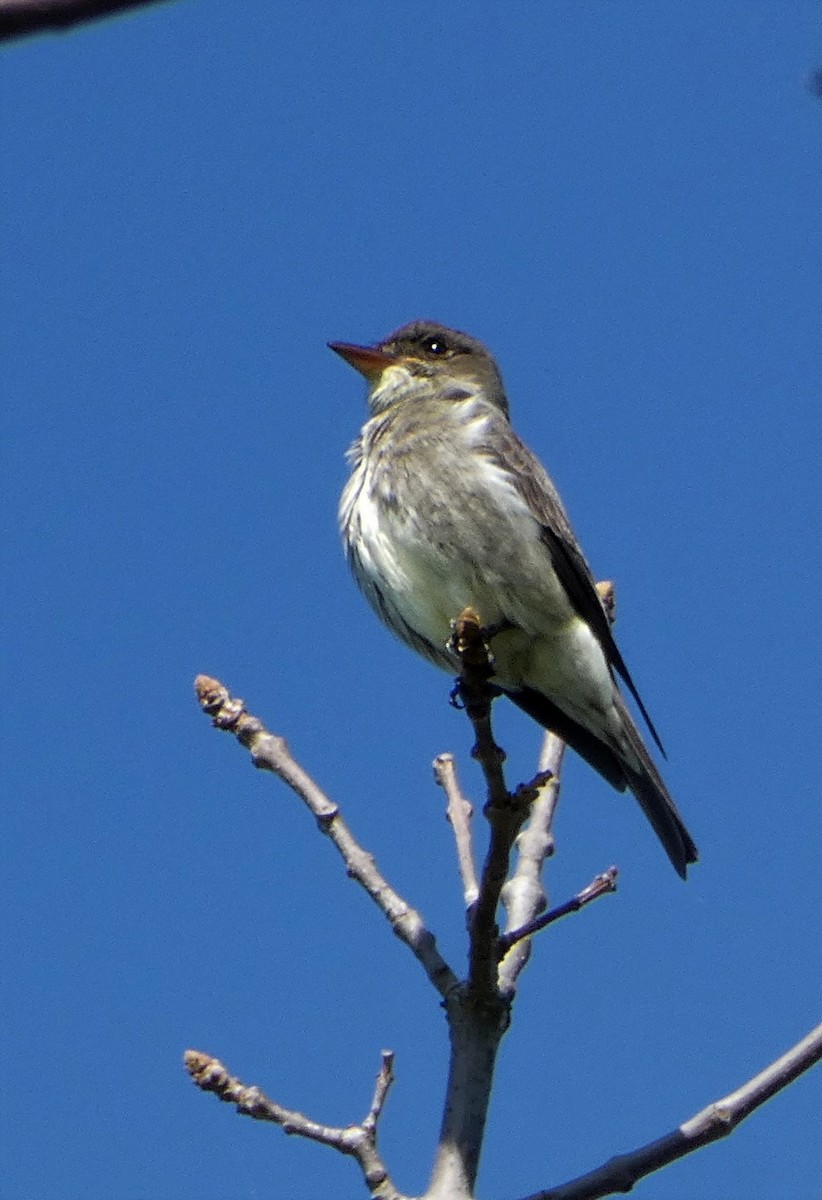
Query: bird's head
point(425, 360)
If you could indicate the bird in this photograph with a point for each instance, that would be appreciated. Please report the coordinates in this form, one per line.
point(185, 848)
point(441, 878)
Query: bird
point(445, 509)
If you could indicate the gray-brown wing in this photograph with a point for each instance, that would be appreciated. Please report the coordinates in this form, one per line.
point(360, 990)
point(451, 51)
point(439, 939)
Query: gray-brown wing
point(543, 500)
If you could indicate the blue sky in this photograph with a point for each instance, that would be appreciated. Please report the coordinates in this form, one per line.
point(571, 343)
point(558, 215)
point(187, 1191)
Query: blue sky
point(622, 200)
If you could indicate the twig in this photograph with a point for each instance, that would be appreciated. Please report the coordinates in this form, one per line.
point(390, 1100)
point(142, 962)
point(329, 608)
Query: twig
point(20, 17)
point(459, 813)
point(385, 1078)
point(716, 1121)
point(271, 753)
point(357, 1141)
point(524, 894)
point(600, 885)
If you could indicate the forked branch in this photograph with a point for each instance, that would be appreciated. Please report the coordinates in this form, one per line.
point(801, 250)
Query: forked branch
point(478, 1010)
point(359, 1141)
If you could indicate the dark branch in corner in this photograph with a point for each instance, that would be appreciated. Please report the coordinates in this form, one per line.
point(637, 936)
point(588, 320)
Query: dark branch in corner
point(21, 17)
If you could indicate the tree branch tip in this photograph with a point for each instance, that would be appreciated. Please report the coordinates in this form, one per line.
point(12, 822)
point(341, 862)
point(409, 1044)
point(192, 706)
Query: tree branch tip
point(442, 765)
point(217, 702)
point(600, 885)
point(382, 1086)
point(207, 1072)
point(607, 595)
point(209, 691)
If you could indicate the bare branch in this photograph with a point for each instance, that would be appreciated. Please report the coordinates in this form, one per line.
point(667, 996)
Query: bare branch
point(524, 894)
point(459, 813)
point(357, 1141)
point(271, 753)
point(385, 1077)
point(21, 17)
point(712, 1123)
point(600, 885)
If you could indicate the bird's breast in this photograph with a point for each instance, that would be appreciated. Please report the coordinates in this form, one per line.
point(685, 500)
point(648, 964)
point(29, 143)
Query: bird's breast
point(433, 523)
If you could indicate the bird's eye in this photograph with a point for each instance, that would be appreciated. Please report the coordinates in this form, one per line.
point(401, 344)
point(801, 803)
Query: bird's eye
point(435, 345)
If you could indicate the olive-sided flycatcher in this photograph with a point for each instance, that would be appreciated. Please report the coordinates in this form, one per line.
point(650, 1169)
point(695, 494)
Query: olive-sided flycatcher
point(446, 509)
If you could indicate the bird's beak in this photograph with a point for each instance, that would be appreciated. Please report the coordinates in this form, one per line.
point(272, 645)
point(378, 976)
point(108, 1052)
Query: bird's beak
point(369, 361)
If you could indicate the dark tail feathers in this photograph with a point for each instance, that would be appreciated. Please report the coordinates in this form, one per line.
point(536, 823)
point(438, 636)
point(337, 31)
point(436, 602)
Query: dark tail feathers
point(645, 782)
